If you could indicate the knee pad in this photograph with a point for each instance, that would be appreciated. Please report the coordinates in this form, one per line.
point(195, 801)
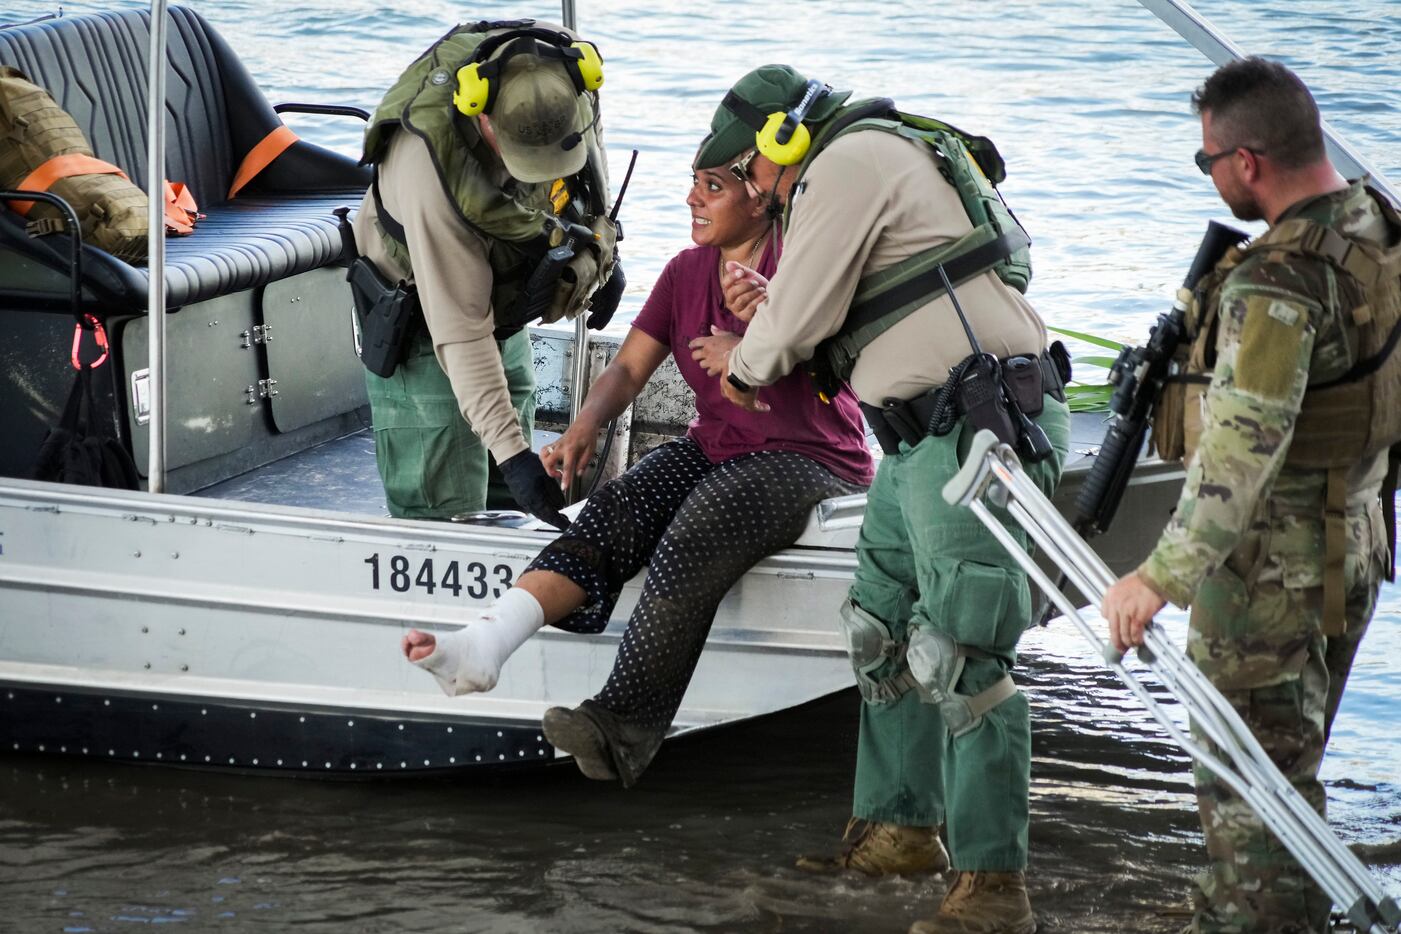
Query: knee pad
point(869, 645)
point(936, 663)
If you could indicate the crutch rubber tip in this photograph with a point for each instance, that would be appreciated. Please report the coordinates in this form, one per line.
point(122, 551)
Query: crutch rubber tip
point(1113, 656)
point(1390, 912)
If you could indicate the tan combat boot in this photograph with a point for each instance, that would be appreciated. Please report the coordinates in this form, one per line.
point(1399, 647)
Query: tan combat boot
point(983, 903)
point(880, 849)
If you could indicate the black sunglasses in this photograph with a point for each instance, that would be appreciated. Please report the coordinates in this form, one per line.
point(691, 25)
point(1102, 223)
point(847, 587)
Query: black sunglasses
point(740, 169)
point(1205, 162)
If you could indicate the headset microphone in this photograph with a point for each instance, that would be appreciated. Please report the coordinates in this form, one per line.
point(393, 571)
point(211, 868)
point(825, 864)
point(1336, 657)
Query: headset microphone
point(574, 139)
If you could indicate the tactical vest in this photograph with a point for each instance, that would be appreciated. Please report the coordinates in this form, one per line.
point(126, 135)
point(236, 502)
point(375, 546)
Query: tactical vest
point(516, 224)
point(997, 242)
point(1342, 422)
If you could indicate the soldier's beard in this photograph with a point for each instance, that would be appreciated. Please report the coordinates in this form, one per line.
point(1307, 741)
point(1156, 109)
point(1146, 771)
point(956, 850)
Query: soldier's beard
point(1242, 204)
point(1246, 209)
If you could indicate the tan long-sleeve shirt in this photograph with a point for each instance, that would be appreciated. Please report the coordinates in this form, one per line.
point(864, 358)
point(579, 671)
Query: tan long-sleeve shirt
point(454, 278)
point(868, 201)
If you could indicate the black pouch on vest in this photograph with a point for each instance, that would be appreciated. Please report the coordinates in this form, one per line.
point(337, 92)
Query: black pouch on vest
point(979, 396)
point(385, 315)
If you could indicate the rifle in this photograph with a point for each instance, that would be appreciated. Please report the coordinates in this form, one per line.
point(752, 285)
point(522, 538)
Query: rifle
point(1137, 376)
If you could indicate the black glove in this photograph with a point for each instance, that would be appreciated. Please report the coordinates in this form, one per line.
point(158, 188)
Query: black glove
point(535, 491)
point(605, 300)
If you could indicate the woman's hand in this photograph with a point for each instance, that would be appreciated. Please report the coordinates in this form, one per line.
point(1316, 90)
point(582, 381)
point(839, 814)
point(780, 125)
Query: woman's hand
point(712, 352)
point(570, 455)
point(744, 290)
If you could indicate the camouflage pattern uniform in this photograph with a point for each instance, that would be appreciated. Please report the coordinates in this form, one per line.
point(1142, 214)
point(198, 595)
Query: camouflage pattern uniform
point(1245, 548)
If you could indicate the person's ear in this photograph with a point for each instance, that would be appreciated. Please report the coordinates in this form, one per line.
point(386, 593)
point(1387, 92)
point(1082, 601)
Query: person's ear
point(1249, 165)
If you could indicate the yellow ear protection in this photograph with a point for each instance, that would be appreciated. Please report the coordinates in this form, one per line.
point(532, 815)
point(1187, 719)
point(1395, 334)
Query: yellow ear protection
point(780, 137)
point(477, 80)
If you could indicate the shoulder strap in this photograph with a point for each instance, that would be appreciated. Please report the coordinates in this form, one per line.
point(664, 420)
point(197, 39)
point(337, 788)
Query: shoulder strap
point(1363, 262)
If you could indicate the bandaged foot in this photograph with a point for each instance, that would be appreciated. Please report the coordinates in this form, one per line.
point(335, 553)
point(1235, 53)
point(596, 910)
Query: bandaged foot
point(469, 660)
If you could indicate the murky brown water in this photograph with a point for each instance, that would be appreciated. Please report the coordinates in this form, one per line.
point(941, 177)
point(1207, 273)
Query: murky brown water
point(704, 843)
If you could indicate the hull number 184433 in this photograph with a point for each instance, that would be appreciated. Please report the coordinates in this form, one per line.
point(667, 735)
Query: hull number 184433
point(476, 579)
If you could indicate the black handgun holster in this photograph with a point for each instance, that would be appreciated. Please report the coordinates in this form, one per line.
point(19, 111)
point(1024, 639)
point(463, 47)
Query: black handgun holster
point(385, 316)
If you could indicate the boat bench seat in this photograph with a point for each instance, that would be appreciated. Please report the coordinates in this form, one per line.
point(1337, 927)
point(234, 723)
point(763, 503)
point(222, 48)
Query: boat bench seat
point(260, 358)
point(280, 225)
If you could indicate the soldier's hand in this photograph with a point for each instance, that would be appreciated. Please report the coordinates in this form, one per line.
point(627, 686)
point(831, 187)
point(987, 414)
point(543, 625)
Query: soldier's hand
point(1129, 606)
point(744, 290)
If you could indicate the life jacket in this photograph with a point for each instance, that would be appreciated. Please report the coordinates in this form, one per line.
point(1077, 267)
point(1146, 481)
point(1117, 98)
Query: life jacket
point(997, 241)
point(518, 223)
point(1341, 422)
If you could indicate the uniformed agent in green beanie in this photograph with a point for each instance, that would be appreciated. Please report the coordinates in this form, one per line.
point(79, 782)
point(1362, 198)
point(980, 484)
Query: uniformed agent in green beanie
point(937, 606)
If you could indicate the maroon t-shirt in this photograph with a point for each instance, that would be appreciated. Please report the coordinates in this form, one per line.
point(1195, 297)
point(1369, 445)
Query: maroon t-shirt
point(683, 305)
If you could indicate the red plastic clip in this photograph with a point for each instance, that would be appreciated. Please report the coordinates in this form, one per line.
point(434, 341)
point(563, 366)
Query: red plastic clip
point(98, 334)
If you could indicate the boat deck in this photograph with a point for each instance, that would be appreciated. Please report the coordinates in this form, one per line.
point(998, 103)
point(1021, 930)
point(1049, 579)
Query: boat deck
point(341, 475)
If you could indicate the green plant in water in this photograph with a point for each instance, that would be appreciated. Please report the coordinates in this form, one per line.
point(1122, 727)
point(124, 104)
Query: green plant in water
point(1085, 396)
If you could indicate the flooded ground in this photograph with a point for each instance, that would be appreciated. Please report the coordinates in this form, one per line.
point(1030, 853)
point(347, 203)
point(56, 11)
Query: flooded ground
point(704, 843)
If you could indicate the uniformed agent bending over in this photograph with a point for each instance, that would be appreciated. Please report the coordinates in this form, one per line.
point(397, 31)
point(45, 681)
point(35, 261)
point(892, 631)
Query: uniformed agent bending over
point(875, 204)
point(1278, 539)
point(486, 156)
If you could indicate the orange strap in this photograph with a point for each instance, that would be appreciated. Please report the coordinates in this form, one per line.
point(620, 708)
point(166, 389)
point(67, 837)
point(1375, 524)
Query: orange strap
point(181, 212)
point(60, 167)
point(260, 156)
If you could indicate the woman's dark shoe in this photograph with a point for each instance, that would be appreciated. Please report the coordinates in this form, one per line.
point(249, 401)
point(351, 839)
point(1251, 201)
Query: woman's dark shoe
point(605, 746)
point(575, 732)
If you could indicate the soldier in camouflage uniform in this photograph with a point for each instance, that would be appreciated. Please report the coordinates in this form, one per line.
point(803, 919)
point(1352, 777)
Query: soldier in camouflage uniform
point(1246, 545)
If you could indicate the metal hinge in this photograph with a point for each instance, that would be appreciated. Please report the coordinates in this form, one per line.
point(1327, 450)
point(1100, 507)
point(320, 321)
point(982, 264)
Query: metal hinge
point(261, 334)
point(262, 391)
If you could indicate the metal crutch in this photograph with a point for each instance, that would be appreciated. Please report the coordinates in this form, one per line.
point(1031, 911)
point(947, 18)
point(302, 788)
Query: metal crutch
point(992, 470)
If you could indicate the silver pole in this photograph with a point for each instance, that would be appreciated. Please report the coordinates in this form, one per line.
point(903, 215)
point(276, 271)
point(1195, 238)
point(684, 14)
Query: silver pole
point(155, 219)
point(1211, 42)
point(578, 385)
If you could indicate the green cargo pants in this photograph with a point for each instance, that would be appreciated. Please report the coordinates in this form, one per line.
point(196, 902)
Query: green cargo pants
point(431, 463)
point(922, 562)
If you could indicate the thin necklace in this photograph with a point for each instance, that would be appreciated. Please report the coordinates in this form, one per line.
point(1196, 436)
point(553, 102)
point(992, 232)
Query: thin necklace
point(752, 254)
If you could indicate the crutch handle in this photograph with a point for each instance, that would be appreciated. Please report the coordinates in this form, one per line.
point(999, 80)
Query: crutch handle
point(967, 485)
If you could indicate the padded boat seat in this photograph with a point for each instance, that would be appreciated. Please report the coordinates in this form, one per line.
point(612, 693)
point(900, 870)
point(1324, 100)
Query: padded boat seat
point(279, 226)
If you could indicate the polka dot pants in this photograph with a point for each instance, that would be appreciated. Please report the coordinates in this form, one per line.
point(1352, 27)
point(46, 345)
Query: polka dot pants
point(699, 527)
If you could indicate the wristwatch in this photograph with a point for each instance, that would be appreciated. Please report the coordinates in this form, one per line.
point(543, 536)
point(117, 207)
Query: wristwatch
point(739, 384)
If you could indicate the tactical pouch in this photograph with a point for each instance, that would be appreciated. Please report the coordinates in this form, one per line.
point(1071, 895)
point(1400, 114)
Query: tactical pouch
point(979, 395)
point(1166, 437)
point(1177, 417)
point(385, 315)
point(1024, 380)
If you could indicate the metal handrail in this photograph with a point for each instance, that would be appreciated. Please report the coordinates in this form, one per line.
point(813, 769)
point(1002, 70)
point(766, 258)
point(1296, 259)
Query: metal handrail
point(1211, 42)
point(155, 265)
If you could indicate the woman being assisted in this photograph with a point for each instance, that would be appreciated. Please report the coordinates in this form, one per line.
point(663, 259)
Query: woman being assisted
point(698, 511)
